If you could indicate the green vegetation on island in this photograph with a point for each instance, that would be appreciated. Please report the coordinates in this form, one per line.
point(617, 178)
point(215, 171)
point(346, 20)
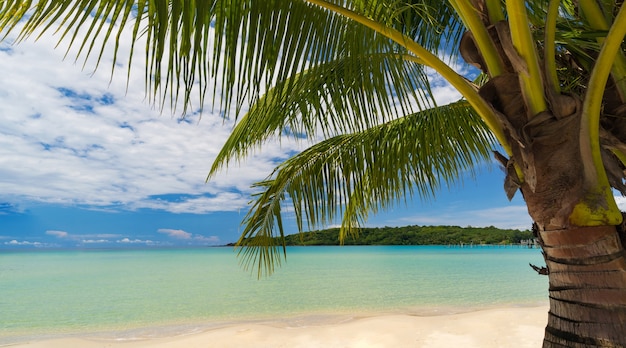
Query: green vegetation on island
point(413, 235)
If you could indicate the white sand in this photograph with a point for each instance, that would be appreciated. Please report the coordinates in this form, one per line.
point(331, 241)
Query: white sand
point(502, 327)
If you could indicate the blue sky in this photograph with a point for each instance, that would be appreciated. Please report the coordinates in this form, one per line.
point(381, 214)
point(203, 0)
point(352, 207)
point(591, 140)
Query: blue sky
point(86, 162)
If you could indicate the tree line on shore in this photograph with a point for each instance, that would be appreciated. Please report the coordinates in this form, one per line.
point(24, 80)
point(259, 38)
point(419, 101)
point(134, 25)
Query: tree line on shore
point(413, 235)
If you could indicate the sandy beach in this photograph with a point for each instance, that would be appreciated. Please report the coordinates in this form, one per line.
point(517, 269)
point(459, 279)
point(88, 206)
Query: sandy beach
point(500, 327)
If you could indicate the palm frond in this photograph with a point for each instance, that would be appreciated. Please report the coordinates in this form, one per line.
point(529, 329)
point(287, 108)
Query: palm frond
point(434, 24)
point(355, 174)
point(236, 49)
point(258, 236)
point(347, 95)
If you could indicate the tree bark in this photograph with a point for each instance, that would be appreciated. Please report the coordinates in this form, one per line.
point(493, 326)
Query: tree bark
point(549, 150)
point(587, 272)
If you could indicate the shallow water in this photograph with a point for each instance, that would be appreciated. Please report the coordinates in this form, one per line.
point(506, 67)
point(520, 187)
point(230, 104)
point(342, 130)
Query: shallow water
point(132, 292)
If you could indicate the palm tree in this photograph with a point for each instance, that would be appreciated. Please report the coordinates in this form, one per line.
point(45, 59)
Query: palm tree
point(355, 74)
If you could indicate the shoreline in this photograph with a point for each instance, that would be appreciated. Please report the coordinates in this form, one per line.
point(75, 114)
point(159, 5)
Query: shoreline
point(503, 326)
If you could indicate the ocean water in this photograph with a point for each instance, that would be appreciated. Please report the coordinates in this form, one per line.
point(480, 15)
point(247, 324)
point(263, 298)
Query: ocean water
point(125, 294)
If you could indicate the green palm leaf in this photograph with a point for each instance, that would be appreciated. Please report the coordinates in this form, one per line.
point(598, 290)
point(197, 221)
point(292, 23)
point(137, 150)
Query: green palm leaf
point(355, 174)
point(237, 50)
point(347, 95)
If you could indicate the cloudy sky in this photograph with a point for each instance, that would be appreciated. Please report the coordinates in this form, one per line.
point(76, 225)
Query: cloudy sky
point(86, 162)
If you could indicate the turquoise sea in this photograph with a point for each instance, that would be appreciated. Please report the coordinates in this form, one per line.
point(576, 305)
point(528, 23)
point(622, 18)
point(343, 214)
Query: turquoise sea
point(125, 294)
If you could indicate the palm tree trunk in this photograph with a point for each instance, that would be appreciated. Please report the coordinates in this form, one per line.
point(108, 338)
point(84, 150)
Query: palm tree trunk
point(587, 271)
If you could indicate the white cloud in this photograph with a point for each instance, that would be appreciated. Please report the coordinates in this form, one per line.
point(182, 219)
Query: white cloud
point(95, 241)
point(26, 243)
point(445, 94)
point(15, 242)
point(211, 240)
point(136, 241)
point(225, 201)
point(70, 137)
point(194, 238)
point(180, 234)
point(83, 238)
point(58, 234)
point(621, 202)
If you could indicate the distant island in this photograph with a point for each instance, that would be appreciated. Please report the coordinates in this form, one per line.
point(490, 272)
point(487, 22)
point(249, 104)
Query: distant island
point(415, 235)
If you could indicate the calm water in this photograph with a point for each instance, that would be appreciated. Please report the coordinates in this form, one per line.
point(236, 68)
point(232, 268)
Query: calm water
point(127, 293)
